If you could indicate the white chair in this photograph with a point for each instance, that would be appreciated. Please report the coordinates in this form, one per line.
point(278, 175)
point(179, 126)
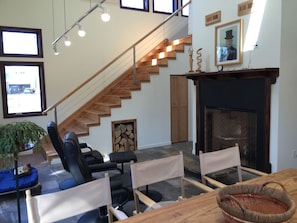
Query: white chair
point(215, 161)
point(157, 170)
point(59, 205)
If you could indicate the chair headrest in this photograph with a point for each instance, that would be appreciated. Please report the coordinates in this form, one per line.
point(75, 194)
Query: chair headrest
point(56, 141)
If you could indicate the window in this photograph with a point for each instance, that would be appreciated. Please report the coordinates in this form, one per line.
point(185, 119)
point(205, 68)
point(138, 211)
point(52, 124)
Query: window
point(142, 5)
point(23, 87)
point(164, 6)
point(23, 90)
point(20, 42)
point(185, 11)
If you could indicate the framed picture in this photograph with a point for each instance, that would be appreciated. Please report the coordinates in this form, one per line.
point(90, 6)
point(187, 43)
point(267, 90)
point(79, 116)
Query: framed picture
point(228, 43)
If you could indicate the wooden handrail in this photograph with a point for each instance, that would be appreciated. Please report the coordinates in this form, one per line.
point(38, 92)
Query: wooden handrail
point(113, 61)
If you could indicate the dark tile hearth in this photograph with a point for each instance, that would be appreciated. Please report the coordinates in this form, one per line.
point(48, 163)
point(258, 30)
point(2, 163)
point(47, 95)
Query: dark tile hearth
point(51, 174)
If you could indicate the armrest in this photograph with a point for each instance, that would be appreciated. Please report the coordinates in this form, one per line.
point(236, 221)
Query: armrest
point(99, 167)
point(215, 182)
point(146, 200)
point(120, 215)
point(198, 184)
point(84, 145)
point(257, 172)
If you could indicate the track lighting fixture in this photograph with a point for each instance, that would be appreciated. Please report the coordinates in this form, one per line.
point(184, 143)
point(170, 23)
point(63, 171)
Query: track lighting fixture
point(81, 32)
point(104, 16)
point(67, 42)
point(56, 52)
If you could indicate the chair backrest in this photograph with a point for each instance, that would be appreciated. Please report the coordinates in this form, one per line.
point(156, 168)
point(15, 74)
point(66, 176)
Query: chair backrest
point(211, 162)
point(59, 205)
point(57, 142)
point(77, 165)
point(157, 170)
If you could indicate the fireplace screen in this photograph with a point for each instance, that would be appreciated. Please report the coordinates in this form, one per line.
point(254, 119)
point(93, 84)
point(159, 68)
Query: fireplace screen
point(225, 127)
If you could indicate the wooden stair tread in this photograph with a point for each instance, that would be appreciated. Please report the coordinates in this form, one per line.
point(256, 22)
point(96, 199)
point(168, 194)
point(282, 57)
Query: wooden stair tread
point(48, 151)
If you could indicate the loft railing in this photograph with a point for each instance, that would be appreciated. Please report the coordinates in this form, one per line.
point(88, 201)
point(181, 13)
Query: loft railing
point(119, 61)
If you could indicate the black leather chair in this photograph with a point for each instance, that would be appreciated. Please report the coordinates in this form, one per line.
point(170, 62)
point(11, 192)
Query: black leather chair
point(82, 173)
point(93, 158)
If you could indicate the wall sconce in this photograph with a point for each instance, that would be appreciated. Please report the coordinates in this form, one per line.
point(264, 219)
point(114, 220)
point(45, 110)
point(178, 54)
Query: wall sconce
point(104, 16)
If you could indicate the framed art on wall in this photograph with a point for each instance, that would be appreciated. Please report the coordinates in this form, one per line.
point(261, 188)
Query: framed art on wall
point(228, 43)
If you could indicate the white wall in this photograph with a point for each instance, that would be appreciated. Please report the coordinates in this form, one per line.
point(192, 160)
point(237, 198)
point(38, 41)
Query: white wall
point(287, 128)
point(274, 30)
point(102, 43)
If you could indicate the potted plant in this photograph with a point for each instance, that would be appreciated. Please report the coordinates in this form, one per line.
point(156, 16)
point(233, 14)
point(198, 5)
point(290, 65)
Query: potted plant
point(16, 136)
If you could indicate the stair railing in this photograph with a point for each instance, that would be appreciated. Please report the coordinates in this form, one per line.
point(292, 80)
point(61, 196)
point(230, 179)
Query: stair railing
point(133, 47)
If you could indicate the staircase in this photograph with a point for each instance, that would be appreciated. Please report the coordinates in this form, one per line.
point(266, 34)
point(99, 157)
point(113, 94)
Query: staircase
point(121, 88)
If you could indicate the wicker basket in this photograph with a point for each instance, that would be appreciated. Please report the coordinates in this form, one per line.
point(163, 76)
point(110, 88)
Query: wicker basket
point(255, 203)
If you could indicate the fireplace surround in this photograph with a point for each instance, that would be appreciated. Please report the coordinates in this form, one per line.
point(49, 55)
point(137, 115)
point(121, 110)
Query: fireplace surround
point(234, 107)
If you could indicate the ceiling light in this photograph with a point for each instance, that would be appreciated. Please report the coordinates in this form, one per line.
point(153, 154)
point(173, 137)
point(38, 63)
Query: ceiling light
point(67, 42)
point(81, 32)
point(105, 17)
point(56, 52)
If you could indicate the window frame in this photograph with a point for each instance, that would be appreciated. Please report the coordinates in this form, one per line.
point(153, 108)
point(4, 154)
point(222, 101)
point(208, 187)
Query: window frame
point(174, 7)
point(42, 93)
point(145, 7)
point(183, 2)
point(37, 32)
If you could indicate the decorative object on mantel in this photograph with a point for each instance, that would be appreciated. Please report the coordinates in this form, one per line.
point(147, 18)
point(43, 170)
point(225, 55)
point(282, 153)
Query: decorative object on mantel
point(228, 43)
point(220, 68)
point(17, 137)
point(190, 51)
point(213, 18)
point(256, 203)
point(199, 60)
point(245, 8)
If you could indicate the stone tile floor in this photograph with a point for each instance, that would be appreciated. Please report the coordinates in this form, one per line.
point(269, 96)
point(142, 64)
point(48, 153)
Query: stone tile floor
point(51, 174)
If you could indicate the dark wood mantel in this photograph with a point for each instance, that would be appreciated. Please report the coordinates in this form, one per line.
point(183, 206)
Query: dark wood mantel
point(248, 89)
point(270, 73)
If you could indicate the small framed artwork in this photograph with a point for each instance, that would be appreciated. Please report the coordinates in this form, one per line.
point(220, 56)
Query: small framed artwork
point(213, 18)
point(228, 43)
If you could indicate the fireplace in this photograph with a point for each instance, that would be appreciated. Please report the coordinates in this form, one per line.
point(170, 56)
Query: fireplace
point(234, 107)
point(226, 127)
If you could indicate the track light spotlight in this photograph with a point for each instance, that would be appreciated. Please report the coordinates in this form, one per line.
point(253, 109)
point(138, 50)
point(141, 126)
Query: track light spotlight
point(67, 42)
point(105, 17)
point(56, 52)
point(81, 32)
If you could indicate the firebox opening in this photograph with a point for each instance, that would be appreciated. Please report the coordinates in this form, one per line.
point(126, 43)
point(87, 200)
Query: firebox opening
point(224, 127)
